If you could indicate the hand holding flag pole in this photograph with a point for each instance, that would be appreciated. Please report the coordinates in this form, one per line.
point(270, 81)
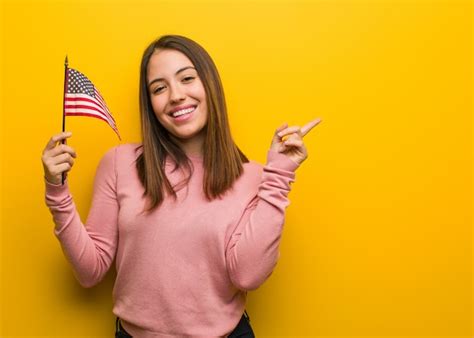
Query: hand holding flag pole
point(81, 98)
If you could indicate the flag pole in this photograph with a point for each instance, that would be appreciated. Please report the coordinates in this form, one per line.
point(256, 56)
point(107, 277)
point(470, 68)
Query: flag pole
point(63, 176)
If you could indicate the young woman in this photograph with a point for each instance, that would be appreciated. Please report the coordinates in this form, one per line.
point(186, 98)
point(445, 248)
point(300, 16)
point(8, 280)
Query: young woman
point(191, 223)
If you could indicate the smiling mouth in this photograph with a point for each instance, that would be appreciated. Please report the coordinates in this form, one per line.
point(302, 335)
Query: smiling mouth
point(183, 111)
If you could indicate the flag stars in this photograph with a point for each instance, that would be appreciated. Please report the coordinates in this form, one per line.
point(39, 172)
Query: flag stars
point(79, 84)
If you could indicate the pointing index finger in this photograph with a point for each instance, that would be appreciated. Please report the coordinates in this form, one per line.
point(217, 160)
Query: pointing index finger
point(307, 127)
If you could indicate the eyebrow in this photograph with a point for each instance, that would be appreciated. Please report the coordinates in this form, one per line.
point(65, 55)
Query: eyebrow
point(179, 71)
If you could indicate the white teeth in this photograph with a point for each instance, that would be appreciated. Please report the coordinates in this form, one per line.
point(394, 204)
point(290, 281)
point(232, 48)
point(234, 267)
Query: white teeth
point(183, 111)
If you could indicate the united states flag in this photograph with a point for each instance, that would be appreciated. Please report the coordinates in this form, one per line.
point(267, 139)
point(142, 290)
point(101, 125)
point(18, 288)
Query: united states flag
point(83, 99)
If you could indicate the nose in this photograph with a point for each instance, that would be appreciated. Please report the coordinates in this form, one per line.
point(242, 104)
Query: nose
point(176, 94)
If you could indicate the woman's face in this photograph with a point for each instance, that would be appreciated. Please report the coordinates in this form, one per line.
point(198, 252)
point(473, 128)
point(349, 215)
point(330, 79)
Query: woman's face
point(177, 96)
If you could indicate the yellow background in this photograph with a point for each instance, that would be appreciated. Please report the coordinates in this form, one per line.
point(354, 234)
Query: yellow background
point(378, 238)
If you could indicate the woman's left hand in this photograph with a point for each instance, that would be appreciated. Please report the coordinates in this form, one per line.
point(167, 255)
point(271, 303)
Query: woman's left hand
point(289, 140)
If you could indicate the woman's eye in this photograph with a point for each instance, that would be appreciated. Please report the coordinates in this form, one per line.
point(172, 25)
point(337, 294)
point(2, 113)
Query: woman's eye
point(188, 78)
point(157, 90)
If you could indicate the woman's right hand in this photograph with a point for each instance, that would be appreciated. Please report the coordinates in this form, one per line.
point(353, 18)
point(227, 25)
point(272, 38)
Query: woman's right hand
point(57, 158)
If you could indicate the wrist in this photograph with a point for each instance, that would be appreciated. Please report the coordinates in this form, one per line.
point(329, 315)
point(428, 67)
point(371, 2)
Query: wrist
point(52, 181)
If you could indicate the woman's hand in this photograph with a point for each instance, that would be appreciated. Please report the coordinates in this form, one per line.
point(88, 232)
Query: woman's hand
point(57, 159)
point(289, 141)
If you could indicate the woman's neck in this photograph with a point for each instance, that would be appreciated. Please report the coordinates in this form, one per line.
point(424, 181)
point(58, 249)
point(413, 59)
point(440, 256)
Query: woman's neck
point(192, 147)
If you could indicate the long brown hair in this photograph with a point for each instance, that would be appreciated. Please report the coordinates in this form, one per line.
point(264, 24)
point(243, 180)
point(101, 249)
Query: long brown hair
point(222, 159)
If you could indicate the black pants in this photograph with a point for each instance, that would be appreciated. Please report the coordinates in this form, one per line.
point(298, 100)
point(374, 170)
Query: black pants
point(242, 330)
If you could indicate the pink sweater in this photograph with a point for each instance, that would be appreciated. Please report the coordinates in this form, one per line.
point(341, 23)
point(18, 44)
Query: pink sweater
point(184, 270)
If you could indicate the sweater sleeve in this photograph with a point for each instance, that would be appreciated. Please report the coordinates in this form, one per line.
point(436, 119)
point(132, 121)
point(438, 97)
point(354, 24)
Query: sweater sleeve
point(90, 248)
point(253, 249)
